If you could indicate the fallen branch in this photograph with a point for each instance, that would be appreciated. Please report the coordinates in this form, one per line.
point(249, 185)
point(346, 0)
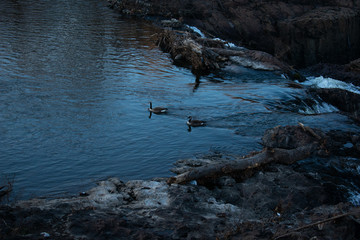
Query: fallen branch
point(318, 223)
point(309, 130)
point(268, 155)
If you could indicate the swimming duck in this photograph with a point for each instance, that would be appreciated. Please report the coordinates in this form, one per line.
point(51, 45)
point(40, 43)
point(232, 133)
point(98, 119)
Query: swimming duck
point(195, 123)
point(157, 110)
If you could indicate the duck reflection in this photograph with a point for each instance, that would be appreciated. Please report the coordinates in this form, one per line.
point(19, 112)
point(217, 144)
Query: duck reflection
point(197, 82)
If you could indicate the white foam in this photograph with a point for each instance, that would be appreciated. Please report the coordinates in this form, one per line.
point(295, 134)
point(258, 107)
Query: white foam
point(228, 44)
point(318, 108)
point(322, 82)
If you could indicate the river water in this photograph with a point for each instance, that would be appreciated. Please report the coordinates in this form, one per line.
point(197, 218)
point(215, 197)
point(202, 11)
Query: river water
point(75, 84)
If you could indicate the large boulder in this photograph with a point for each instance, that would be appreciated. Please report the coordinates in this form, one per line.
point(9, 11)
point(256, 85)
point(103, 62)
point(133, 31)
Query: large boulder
point(346, 101)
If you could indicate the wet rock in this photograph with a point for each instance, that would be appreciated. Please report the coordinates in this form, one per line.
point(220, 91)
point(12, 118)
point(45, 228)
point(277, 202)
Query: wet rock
point(205, 55)
point(339, 143)
point(344, 100)
point(289, 137)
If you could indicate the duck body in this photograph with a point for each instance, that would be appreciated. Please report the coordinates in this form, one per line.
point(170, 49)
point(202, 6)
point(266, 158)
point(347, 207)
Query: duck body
point(157, 110)
point(195, 123)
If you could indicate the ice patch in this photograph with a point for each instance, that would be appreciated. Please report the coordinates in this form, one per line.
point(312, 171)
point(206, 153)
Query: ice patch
point(228, 44)
point(193, 182)
point(195, 29)
point(348, 145)
point(355, 198)
point(322, 82)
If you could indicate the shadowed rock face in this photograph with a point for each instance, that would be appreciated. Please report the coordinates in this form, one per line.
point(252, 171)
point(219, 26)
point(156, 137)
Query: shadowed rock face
point(345, 101)
point(348, 73)
point(301, 33)
point(326, 34)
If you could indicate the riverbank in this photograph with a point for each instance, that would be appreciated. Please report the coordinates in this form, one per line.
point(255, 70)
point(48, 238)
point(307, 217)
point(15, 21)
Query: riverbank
point(271, 201)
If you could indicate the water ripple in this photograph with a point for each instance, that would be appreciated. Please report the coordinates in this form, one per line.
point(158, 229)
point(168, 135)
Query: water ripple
point(75, 84)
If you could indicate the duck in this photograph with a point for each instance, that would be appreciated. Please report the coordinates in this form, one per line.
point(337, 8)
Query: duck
point(157, 110)
point(195, 123)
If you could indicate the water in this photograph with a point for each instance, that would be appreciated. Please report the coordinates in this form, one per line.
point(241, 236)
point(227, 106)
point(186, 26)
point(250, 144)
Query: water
point(75, 84)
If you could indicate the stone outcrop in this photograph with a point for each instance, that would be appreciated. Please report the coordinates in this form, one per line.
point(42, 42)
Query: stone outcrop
point(345, 101)
point(204, 55)
point(301, 32)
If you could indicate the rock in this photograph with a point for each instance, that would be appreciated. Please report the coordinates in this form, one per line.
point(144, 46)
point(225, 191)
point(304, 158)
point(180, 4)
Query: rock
point(353, 66)
point(344, 100)
point(339, 143)
point(346, 73)
point(288, 137)
point(206, 55)
point(323, 34)
point(301, 33)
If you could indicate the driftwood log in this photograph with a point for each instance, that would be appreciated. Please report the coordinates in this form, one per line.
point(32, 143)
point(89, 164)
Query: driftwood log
point(268, 155)
point(282, 144)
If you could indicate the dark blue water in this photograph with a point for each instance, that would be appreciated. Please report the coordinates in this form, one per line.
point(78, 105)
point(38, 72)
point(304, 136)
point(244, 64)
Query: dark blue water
point(75, 83)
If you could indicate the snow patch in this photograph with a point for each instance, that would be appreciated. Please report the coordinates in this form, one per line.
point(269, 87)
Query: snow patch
point(246, 62)
point(196, 30)
point(355, 198)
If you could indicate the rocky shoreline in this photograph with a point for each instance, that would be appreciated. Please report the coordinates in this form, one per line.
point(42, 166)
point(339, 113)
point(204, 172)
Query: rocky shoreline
point(271, 201)
point(268, 201)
